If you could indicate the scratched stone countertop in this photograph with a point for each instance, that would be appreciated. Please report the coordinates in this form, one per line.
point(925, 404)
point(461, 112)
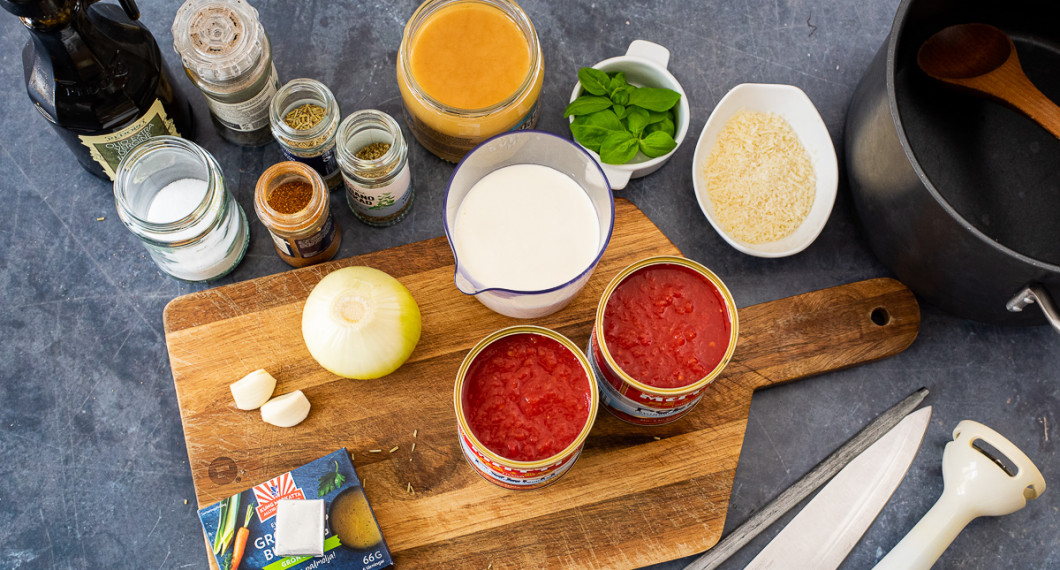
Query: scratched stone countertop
point(93, 464)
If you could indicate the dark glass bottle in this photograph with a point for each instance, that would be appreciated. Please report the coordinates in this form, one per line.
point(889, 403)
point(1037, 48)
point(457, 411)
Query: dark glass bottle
point(96, 74)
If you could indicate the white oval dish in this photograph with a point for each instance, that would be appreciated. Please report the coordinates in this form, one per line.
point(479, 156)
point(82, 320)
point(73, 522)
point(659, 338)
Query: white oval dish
point(791, 103)
point(644, 64)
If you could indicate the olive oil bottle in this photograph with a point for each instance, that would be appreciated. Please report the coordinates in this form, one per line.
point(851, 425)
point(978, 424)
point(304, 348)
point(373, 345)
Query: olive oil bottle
point(97, 76)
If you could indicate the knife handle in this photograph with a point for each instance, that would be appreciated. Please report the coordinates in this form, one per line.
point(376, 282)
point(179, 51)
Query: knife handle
point(930, 537)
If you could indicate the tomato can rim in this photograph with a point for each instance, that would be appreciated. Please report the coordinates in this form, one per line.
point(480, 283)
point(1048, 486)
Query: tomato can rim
point(590, 378)
point(730, 308)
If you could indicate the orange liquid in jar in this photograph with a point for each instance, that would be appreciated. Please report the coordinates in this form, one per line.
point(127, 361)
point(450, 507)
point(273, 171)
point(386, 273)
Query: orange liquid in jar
point(469, 56)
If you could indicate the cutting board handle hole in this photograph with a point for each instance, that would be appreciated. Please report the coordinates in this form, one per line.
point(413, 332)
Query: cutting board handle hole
point(880, 316)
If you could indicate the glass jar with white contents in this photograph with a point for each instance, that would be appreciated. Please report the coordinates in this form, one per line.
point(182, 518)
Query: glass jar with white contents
point(374, 161)
point(171, 194)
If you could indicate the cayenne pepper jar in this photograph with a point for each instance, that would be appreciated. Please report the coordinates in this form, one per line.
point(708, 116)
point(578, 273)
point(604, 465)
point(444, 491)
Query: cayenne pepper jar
point(291, 200)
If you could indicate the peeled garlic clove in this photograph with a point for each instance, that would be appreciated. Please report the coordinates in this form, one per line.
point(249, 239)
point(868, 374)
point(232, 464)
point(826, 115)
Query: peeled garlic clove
point(253, 390)
point(287, 410)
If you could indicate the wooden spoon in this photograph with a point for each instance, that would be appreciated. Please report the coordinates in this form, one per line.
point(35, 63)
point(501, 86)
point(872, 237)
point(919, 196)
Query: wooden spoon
point(983, 59)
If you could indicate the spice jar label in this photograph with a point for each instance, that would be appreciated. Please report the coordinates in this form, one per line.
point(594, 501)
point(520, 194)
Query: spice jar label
point(249, 115)
point(376, 204)
point(325, 163)
point(310, 246)
point(108, 150)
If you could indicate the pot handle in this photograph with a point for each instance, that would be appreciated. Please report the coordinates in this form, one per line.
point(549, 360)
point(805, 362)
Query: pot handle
point(1035, 293)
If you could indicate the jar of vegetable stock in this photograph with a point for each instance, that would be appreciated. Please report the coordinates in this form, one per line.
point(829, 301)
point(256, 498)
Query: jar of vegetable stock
point(227, 55)
point(468, 70)
point(374, 160)
point(291, 200)
point(304, 117)
point(171, 194)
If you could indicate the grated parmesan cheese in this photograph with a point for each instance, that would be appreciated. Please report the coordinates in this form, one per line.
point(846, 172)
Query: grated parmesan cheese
point(759, 178)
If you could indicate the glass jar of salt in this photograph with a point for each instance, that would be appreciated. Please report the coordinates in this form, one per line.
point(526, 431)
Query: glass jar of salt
point(304, 116)
point(374, 161)
point(171, 194)
point(227, 55)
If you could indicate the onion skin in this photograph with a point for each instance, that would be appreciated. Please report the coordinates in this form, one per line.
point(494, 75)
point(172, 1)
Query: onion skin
point(361, 323)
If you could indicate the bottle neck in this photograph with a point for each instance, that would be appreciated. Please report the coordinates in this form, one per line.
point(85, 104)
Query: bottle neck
point(48, 16)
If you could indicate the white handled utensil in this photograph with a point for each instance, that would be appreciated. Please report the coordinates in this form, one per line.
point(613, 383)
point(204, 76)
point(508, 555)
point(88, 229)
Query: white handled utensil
point(976, 484)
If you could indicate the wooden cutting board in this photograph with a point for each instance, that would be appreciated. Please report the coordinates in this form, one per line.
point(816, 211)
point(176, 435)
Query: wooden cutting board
point(637, 495)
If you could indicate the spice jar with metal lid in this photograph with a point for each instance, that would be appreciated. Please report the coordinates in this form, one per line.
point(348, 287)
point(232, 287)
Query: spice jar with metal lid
point(171, 194)
point(292, 201)
point(228, 56)
point(304, 117)
point(374, 160)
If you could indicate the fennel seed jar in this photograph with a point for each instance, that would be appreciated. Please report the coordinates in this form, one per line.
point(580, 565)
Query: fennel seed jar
point(171, 194)
point(291, 200)
point(227, 55)
point(374, 161)
point(304, 116)
point(468, 70)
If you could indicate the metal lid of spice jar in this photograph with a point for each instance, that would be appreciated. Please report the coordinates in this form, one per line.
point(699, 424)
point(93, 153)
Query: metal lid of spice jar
point(219, 40)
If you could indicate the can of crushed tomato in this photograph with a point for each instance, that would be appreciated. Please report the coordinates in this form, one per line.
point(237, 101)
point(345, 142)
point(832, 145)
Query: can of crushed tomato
point(525, 400)
point(665, 328)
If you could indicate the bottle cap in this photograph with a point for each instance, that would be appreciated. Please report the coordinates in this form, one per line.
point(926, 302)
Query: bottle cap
point(218, 40)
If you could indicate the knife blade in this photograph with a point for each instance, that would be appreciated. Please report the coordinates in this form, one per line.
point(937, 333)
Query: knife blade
point(808, 483)
point(829, 526)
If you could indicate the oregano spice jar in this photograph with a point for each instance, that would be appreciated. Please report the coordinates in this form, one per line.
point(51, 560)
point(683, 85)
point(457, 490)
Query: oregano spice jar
point(304, 116)
point(291, 200)
point(374, 160)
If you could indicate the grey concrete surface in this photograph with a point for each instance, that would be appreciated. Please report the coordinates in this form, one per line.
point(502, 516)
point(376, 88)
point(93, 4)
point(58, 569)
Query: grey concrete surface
point(93, 464)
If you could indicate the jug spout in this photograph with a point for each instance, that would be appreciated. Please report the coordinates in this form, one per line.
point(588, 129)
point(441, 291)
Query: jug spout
point(463, 283)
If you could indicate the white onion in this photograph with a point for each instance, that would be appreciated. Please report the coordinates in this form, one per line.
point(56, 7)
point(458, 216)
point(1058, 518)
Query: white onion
point(359, 322)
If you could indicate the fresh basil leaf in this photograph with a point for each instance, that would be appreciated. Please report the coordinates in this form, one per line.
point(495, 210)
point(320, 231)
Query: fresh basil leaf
point(606, 119)
point(636, 119)
point(657, 144)
point(619, 148)
point(617, 80)
point(620, 111)
point(594, 81)
point(621, 95)
point(586, 104)
point(656, 116)
point(664, 126)
point(589, 136)
point(654, 98)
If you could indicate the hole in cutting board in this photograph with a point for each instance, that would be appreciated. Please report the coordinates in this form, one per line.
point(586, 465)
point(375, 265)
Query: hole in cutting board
point(880, 316)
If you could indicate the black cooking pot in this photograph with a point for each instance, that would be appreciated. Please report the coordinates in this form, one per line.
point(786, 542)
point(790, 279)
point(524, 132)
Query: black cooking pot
point(960, 196)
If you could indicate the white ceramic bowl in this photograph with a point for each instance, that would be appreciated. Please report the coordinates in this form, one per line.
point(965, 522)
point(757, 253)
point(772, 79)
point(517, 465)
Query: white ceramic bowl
point(791, 103)
point(644, 65)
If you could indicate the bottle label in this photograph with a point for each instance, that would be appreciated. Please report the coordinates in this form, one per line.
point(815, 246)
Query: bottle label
point(311, 246)
point(378, 205)
point(109, 149)
point(249, 115)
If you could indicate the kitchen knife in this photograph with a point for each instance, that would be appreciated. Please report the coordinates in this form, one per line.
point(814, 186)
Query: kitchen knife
point(809, 483)
point(829, 526)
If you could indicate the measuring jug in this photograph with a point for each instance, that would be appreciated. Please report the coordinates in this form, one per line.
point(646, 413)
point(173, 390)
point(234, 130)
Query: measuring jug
point(538, 148)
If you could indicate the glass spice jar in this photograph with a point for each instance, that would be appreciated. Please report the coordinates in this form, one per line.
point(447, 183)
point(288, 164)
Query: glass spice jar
point(374, 160)
point(171, 194)
point(304, 116)
point(227, 55)
point(291, 200)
